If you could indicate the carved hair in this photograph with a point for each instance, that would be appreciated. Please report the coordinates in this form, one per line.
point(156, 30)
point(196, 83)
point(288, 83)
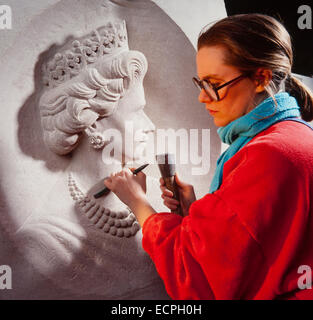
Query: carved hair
point(259, 41)
point(66, 111)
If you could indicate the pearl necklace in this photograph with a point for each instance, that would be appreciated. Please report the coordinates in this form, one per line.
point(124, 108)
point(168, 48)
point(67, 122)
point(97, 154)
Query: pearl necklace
point(121, 224)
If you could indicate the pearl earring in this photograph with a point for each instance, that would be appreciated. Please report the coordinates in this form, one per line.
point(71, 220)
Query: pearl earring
point(95, 138)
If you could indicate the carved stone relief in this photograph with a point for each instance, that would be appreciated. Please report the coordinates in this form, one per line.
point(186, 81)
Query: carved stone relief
point(89, 79)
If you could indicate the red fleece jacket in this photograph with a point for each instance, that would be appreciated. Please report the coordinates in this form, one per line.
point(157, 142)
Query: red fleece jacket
point(247, 239)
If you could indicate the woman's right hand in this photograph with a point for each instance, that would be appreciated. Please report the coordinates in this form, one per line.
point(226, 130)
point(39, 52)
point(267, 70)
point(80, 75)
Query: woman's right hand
point(186, 194)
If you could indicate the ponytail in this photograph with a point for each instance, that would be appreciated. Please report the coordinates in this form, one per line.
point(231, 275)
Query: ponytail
point(303, 95)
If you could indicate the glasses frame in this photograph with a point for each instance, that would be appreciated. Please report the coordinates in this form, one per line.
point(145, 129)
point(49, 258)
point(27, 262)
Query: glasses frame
point(199, 84)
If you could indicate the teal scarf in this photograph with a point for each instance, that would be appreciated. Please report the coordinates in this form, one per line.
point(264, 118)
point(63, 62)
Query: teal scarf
point(240, 131)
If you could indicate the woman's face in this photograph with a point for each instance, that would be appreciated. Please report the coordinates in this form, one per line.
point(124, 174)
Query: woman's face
point(236, 99)
point(132, 122)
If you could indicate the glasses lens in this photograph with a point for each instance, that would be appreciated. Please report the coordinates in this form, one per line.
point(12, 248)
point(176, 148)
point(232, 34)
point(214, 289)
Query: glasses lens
point(197, 83)
point(209, 90)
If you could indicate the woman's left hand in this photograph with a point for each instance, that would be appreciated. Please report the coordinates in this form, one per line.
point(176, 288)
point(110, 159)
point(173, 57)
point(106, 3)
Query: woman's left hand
point(129, 188)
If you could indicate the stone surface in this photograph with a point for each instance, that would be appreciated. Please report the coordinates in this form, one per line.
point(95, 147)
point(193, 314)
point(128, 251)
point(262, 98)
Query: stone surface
point(55, 249)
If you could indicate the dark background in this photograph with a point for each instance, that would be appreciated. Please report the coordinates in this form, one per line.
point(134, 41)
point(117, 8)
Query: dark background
point(287, 13)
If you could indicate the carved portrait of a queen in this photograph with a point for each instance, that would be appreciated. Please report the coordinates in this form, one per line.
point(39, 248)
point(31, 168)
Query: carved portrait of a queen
point(85, 88)
point(92, 87)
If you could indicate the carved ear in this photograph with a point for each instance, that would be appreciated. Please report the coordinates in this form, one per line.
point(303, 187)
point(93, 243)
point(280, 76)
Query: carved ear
point(262, 78)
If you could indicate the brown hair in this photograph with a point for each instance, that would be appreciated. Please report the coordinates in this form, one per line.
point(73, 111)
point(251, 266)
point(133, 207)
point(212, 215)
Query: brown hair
point(259, 41)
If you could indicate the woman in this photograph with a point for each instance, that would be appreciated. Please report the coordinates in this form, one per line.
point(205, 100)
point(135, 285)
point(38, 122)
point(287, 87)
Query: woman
point(249, 235)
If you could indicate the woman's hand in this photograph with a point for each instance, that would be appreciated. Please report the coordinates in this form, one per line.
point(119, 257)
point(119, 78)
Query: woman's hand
point(186, 194)
point(128, 187)
point(131, 189)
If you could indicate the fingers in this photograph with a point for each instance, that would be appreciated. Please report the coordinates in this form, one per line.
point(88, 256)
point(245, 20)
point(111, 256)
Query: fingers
point(108, 183)
point(122, 173)
point(171, 203)
point(125, 176)
point(167, 195)
point(128, 171)
point(141, 175)
point(171, 207)
point(115, 178)
point(182, 185)
point(166, 192)
point(178, 181)
point(141, 178)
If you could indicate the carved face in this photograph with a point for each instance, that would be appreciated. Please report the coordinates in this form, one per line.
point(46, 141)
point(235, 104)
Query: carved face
point(132, 122)
point(98, 101)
